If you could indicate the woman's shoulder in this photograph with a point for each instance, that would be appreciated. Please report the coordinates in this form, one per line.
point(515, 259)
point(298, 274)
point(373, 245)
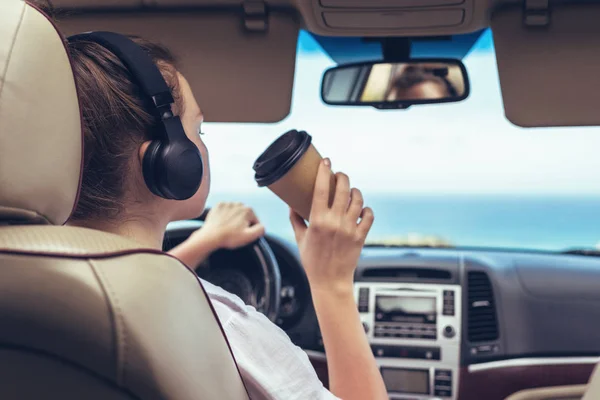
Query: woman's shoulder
point(254, 340)
point(223, 301)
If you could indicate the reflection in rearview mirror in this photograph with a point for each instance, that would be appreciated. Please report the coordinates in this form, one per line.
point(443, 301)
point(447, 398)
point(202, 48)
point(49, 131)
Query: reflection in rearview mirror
point(396, 85)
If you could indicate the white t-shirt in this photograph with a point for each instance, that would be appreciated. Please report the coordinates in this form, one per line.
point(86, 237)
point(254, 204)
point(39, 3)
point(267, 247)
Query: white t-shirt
point(272, 367)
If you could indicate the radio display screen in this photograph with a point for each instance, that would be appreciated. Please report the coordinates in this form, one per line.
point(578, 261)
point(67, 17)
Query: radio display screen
point(414, 381)
point(405, 309)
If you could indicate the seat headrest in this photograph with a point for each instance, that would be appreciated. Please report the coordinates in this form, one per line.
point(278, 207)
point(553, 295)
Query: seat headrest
point(40, 122)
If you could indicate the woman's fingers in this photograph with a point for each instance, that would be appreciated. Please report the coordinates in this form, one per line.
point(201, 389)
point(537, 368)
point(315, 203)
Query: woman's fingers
point(366, 222)
point(250, 215)
point(320, 203)
point(298, 225)
point(342, 193)
point(254, 232)
point(356, 205)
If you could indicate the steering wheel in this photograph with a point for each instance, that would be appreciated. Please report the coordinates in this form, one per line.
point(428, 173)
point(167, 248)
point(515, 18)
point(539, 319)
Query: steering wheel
point(270, 277)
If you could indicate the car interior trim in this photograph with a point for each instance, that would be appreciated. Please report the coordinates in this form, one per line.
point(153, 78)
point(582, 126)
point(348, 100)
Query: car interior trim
point(530, 362)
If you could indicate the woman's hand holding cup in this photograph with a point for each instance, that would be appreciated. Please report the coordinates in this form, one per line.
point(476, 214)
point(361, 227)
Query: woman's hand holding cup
point(331, 244)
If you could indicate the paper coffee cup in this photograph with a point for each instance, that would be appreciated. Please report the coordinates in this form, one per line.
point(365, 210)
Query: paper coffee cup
point(288, 167)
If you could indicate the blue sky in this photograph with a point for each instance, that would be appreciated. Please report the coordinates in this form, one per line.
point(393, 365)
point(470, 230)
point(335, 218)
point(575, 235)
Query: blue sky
point(466, 147)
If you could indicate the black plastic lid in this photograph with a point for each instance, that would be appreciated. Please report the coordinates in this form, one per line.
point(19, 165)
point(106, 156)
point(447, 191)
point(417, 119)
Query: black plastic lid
point(280, 157)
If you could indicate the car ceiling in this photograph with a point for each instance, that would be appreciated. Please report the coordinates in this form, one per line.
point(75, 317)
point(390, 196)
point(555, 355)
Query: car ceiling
point(342, 17)
point(248, 48)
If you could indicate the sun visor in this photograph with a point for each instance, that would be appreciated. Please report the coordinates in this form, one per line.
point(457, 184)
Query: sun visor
point(548, 63)
point(237, 75)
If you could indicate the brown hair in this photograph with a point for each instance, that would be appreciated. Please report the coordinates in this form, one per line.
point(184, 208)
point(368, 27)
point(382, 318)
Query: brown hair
point(115, 119)
point(116, 122)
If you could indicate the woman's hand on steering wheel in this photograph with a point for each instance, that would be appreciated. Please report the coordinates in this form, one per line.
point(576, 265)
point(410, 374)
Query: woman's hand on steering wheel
point(227, 226)
point(230, 226)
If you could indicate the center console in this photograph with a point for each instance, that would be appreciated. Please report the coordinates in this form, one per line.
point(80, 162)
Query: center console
point(414, 332)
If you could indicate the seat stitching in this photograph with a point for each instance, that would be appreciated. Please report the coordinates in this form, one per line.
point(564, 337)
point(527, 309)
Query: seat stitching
point(118, 314)
point(120, 331)
point(111, 313)
point(10, 51)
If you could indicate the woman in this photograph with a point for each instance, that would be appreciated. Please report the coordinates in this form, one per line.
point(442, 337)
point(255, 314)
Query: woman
point(114, 198)
point(419, 84)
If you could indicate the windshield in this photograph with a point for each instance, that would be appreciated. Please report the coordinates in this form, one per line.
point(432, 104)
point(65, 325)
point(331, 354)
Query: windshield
point(453, 174)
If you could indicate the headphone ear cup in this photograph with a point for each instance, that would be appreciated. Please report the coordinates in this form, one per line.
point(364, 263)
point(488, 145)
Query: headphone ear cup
point(182, 170)
point(150, 167)
point(174, 170)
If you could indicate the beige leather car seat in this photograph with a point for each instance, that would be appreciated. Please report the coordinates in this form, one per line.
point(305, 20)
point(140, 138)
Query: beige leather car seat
point(591, 391)
point(83, 314)
point(593, 388)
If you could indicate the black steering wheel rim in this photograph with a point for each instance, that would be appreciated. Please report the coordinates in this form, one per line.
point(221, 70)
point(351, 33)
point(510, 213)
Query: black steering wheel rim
point(269, 267)
point(271, 277)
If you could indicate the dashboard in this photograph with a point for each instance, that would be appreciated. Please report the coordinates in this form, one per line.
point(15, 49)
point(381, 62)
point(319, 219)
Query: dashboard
point(460, 324)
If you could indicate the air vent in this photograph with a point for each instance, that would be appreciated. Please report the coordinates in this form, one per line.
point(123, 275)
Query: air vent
point(482, 322)
point(407, 272)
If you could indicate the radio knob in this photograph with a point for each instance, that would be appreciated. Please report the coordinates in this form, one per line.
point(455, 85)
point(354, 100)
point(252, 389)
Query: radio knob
point(449, 331)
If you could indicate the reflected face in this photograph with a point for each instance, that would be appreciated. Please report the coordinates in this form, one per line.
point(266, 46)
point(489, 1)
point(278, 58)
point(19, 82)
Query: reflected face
point(427, 90)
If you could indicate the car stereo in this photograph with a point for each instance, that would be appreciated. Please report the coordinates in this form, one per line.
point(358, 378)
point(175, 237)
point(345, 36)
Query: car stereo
point(414, 332)
point(405, 316)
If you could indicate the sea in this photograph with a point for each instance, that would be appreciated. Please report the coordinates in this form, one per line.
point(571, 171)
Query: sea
point(528, 222)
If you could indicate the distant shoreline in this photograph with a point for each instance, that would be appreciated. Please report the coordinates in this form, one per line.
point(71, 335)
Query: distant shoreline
point(510, 221)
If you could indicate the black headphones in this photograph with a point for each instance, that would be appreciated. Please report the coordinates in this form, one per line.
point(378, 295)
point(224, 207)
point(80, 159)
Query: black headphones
point(172, 164)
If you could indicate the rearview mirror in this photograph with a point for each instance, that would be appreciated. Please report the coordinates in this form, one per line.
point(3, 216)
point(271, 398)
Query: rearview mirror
point(396, 85)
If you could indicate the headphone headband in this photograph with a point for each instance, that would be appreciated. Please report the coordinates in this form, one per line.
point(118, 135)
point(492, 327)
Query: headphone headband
point(139, 63)
point(172, 164)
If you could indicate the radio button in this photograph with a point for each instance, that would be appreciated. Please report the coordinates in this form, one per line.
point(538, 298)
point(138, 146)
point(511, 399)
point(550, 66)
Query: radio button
point(443, 373)
point(443, 393)
point(363, 300)
point(448, 303)
point(484, 349)
point(424, 353)
point(448, 310)
point(443, 382)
